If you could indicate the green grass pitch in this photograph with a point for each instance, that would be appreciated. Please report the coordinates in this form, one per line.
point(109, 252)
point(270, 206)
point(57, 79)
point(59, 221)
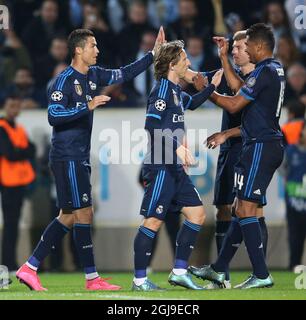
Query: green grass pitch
point(70, 286)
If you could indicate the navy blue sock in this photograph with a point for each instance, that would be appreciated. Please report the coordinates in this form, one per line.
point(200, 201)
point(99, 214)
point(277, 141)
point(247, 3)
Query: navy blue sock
point(54, 232)
point(231, 243)
point(84, 246)
point(221, 230)
point(186, 239)
point(264, 234)
point(143, 244)
point(252, 237)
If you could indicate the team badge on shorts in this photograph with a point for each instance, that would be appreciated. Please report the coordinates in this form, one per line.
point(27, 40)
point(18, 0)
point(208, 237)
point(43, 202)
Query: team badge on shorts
point(160, 105)
point(57, 96)
point(77, 87)
point(251, 82)
point(159, 209)
point(85, 197)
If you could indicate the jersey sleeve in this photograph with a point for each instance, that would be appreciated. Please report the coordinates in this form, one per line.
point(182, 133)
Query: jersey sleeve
point(187, 100)
point(156, 109)
point(61, 109)
point(107, 77)
point(258, 80)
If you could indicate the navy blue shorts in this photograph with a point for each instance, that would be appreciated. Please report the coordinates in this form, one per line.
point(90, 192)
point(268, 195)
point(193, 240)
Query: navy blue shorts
point(255, 169)
point(72, 180)
point(224, 183)
point(167, 190)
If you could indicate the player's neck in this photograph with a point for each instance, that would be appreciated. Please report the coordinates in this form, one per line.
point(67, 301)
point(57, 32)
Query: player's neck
point(265, 57)
point(173, 77)
point(246, 69)
point(79, 66)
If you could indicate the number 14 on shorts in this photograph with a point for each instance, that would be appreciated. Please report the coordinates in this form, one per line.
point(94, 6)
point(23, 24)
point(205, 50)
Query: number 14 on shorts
point(238, 180)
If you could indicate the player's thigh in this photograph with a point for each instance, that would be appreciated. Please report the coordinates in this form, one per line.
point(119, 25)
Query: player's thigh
point(223, 191)
point(159, 191)
point(72, 181)
point(255, 169)
point(188, 198)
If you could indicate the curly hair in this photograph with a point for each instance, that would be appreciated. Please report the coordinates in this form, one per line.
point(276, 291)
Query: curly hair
point(168, 52)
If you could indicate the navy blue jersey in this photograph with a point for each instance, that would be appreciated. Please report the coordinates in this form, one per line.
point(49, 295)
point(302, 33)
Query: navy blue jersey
point(68, 113)
point(165, 111)
point(229, 120)
point(296, 177)
point(265, 89)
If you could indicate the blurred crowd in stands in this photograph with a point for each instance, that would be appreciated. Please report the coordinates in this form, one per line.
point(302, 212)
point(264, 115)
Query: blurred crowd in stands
point(34, 48)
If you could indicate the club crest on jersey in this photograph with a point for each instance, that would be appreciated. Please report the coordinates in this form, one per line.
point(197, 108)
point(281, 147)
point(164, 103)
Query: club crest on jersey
point(57, 96)
point(159, 209)
point(85, 197)
point(77, 87)
point(251, 82)
point(175, 98)
point(160, 105)
point(92, 85)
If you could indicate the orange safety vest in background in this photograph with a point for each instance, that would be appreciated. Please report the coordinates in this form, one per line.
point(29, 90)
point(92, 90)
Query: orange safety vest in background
point(292, 131)
point(15, 173)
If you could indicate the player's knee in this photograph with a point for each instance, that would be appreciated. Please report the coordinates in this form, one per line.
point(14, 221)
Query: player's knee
point(84, 215)
point(245, 209)
point(197, 215)
point(224, 213)
point(152, 223)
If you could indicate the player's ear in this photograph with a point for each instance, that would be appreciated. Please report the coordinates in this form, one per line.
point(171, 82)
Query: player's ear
point(78, 50)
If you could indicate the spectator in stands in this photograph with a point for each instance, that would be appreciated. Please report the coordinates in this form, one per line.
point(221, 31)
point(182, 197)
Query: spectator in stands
point(143, 83)
point(39, 33)
point(295, 18)
point(93, 20)
point(23, 86)
point(13, 55)
point(286, 51)
point(296, 82)
point(188, 23)
point(58, 53)
point(130, 36)
point(276, 16)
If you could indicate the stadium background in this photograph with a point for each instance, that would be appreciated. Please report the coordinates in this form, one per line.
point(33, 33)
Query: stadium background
point(30, 56)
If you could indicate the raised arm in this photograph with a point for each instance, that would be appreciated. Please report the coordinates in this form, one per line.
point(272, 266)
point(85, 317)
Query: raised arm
point(233, 80)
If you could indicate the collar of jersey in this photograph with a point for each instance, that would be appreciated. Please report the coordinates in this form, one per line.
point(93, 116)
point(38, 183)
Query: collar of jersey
point(262, 62)
point(171, 84)
point(78, 73)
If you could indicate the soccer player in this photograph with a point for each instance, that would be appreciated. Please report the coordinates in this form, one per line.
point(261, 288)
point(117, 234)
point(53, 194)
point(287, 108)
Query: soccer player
point(260, 97)
point(230, 148)
point(73, 96)
point(167, 186)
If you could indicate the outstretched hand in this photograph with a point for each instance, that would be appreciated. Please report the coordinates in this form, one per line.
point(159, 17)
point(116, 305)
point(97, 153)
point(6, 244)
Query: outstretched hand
point(199, 81)
point(223, 45)
point(161, 38)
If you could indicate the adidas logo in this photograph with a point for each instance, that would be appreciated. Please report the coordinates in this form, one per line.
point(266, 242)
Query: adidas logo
point(261, 246)
point(76, 81)
point(257, 192)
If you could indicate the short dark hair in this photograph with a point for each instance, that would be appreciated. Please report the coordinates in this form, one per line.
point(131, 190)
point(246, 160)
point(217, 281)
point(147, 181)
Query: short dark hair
point(77, 38)
point(296, 108)
point(168, 52)
point(261, 32)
